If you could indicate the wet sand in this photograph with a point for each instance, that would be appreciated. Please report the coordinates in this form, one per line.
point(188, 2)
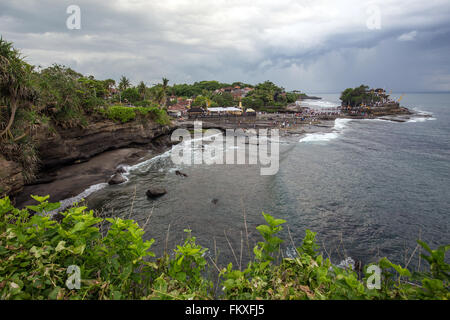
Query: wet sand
point(69, 181)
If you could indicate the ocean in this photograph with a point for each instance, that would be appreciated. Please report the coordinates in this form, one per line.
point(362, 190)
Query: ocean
point(369, 188)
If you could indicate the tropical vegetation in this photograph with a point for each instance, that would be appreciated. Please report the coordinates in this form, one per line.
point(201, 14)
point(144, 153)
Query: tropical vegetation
point(354, 97)
point(41, 257)
point(58, 97)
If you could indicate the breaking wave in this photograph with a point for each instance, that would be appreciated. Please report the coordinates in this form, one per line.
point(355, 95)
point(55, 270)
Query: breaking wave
point(339, 127)
point(66, 203)
point(422, 116)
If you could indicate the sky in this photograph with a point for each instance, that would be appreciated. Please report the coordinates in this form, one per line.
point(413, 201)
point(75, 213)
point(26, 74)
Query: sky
point(308, 45)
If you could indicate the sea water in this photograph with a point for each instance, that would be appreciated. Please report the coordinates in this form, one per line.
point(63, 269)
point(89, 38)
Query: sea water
point(369, 188)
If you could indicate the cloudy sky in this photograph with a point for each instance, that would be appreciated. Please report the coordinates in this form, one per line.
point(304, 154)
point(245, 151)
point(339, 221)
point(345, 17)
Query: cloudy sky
point(310, 45)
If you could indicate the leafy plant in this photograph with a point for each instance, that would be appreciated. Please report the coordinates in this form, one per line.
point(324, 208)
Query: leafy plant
point(115, 262)
point(36, 252)
point(120, 113)
point(266, 250)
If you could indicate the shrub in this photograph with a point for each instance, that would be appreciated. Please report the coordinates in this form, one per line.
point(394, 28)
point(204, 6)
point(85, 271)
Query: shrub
point(131, 94)
point(126, 114)
point(36, 252)
point(145, 103)
point(120, 113)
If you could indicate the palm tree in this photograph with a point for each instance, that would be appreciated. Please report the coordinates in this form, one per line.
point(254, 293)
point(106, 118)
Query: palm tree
point(15, 76)
point(158, 95)
point(124, 84)
point(141, 89)
point(165, 83)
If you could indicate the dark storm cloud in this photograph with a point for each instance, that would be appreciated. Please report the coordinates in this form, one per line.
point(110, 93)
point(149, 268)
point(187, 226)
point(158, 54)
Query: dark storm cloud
point(309, 45)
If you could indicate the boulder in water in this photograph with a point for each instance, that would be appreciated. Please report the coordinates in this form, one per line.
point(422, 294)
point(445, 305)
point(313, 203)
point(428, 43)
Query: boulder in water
point(181, 174)
point(155, 192)
point(118, 178)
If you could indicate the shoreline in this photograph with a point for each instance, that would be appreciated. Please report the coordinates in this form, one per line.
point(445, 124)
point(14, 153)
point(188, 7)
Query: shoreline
point(71, 181)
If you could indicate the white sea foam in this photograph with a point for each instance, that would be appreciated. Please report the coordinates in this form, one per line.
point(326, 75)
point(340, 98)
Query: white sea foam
point(421, 112)
point(339, 126)
point(319, 137)
point(318, 104)
point(145, 164)
point(420, 119)
point(66, 203)
point(347, 263)
point(141, 167)
point(422, 116)
point(173, 170)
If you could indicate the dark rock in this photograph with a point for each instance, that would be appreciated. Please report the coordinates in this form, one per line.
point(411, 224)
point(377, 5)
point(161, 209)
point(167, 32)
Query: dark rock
point(173, 143)
point(67, 145)
point(155, 192)
point(181, 174)
point(121, 169)
point(11, 177)
point(214, 201)
point(117, 179)
point(44, 179)
point(393, 119)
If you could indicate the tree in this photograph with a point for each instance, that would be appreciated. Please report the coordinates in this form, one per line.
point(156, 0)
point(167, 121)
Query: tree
point(159, 93)
point(267, 93)
point(15, 76)
point(131, 95)
point(141, 89)
point(208, 85)
point(95, 88)
point(252, 102)
point(186, 90)
point(223, 100)
point(165, 83)
point(356, 96)
point(202, 101)
point(241, 84)
point(124, 83)
point(346, 96)
point(292, 97)
point(62, 91)
point(109, 83)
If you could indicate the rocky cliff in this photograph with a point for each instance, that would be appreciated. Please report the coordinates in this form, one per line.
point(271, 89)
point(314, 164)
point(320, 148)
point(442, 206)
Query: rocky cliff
point(11, 178)
point(78, 144)
point(60, 147)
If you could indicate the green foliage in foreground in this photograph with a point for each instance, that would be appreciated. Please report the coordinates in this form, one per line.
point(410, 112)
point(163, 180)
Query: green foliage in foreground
point(36, 251)
point(125, 114)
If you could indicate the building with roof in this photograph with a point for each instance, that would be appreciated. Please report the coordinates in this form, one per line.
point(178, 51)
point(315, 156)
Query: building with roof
point(224, 111)
point(195, 112)
point(177, 110)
